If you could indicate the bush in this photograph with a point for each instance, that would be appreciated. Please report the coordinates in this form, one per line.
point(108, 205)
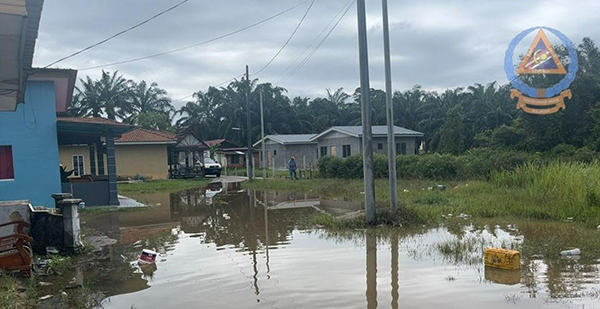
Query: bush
point(478, 163)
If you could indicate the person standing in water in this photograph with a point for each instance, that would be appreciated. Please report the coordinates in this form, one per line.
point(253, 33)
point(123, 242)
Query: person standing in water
point(292, 167)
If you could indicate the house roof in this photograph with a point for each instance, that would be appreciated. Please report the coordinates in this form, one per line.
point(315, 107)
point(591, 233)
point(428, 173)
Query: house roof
point(286, 139)
point(73, 130)
point(214, 142)
point(92, 120)
point(379, 131)
point(146, 136)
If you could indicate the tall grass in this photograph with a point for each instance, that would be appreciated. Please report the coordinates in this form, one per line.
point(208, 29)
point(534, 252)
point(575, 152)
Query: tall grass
point(558, 190)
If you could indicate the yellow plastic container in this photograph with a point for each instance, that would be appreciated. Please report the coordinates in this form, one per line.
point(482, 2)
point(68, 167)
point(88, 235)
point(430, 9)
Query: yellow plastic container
point(502, 258)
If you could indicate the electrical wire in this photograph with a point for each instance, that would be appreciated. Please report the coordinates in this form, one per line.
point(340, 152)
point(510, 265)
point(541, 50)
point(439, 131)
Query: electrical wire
point(116, 34)
point(197, 44)
point(294, 63)
point(288, 40)
point(314, 51)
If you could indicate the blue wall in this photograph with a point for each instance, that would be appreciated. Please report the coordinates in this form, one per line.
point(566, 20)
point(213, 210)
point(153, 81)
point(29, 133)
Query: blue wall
point(31, 131)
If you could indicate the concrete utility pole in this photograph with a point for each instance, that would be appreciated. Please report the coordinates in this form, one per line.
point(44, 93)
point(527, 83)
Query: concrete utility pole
point(365, 95)
point(390, 110)
point(248, 128)
point(262, 136)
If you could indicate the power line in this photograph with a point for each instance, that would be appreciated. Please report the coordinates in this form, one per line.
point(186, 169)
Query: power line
point(288, 40)
point(197, 44)
point(116, 34)
point(350, 4)
point(316, 38)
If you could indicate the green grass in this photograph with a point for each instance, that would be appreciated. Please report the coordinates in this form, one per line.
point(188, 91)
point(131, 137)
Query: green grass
point(12, 295)
point(162, 185)
point(553, 192)
point(60, 264)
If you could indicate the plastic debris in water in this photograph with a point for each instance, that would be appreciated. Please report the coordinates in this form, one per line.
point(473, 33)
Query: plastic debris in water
point(148, 256)
point(571, 252)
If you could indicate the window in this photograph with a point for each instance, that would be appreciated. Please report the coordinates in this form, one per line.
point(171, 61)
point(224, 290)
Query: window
point(380, 146)
point(7, 171)
point(333, 151)
point(78, 166)
point(235, 159)
point(346, 151)
point(274, 152)
point(401, 148)
point(323, 151)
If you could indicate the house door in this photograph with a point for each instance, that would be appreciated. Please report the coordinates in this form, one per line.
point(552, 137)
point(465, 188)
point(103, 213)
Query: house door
point(269, 158)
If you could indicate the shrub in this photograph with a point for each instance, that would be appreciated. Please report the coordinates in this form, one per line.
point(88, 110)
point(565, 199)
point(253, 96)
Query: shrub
point(480, 163)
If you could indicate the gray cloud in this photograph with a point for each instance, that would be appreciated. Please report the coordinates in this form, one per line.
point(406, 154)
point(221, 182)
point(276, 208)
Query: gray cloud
point(437, 44)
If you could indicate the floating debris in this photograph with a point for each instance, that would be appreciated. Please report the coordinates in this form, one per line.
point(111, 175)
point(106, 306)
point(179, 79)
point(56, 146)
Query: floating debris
point(406, 191)
point(148, 256)
point(442, 187)
point(502, 258)
point(464, 216)
point(46, 297)
point(571, 252)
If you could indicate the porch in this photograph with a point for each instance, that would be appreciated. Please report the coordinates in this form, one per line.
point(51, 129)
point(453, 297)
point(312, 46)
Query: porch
point(97, 184)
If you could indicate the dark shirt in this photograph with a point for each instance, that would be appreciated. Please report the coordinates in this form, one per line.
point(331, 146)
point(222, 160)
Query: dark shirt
point(292, 165)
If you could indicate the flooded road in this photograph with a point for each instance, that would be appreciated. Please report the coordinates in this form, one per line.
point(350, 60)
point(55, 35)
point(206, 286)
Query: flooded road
point(222, 247)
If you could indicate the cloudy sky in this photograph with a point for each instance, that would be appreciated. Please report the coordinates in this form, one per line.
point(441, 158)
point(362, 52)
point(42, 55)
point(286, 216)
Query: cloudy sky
point(436, 44)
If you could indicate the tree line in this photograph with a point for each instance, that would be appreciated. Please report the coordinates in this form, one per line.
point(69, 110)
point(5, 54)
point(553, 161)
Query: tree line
point(453, 121)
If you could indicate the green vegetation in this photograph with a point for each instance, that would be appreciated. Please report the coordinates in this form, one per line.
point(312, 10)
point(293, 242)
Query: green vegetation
point(454, 121)
point(478, 163)
point(15, 295)
point(59, 264)
point(162, 185)
point(558, 191)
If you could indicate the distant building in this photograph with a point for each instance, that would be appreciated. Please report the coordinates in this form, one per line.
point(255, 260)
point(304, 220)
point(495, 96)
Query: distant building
point(280, 148)
point(139, 153)
point(346, 141)
point(229, 154)
point(340, 141)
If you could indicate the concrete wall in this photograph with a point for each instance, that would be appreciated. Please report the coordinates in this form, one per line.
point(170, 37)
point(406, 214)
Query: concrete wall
point(31, 131)
point(285, 152)
point(145, 160)
point(66, 154)
point(338, 140)
point(411, 145)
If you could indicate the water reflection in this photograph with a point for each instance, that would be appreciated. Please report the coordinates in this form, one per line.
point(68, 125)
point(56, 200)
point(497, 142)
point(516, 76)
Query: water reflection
point(238, 248)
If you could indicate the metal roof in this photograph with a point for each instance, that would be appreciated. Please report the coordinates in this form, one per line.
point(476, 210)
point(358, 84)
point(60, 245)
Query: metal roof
point(356, 131)
point(285, 139)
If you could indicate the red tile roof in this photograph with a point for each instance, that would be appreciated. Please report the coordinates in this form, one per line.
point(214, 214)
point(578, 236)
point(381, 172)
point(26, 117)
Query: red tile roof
point(141, 135)
point(214, 142)
point(94, 120)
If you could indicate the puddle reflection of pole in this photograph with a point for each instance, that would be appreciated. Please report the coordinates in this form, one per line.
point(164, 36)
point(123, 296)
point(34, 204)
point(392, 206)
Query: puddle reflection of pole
point(252, 240)
point(266, 232)
point(371, 270)
point(395, 296)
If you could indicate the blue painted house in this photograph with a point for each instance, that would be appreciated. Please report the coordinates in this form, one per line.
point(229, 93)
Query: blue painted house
point(30, 132)
point(28, 139)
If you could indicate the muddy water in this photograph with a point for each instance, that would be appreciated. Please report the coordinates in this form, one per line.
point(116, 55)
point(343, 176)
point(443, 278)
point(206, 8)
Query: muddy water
point(223, 247)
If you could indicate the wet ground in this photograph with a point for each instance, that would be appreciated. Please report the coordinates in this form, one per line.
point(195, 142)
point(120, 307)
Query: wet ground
point(223, 247)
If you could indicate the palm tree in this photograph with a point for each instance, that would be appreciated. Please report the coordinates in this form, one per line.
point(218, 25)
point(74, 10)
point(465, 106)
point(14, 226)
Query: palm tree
point(491, 105)
point(339, 97)
point(146, 99)
point(109, 95)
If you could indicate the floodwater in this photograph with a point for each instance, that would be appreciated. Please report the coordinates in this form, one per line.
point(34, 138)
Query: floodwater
point(222, 247)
